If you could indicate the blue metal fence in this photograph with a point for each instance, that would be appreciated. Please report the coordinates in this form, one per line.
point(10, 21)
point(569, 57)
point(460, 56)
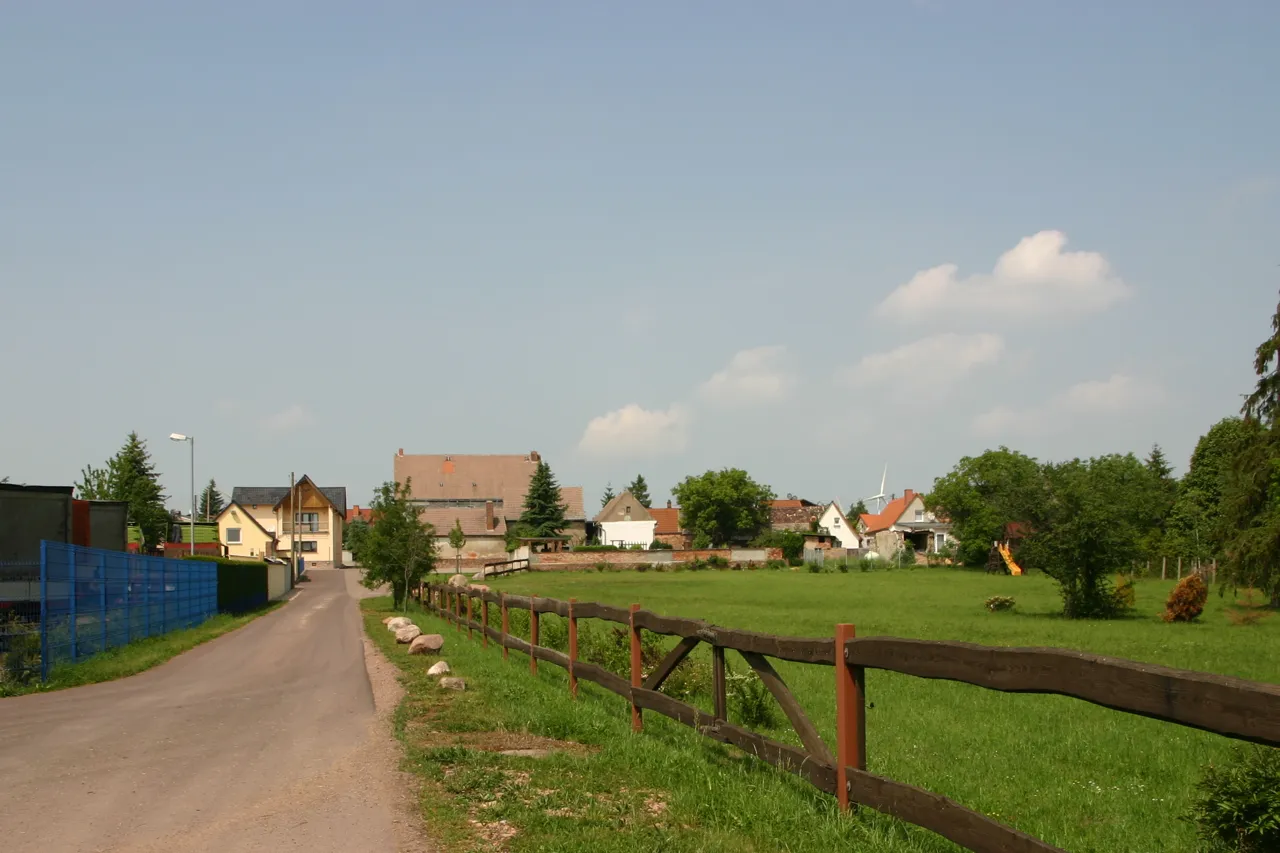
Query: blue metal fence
point(92, 599)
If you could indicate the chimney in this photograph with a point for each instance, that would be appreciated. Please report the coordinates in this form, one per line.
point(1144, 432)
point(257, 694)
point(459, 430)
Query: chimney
point(668, 504)
point(908, 495)
point(488, 515)
point(535, 456)
point(400, 452)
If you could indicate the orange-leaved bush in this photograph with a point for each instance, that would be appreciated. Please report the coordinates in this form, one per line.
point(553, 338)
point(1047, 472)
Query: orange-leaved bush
point(1186, 602)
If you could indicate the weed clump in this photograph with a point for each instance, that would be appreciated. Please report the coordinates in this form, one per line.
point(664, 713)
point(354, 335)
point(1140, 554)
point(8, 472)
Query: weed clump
point(998, 603)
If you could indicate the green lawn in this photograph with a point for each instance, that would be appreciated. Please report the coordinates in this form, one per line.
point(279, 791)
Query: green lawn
point(1082, 777)
point(135, 657)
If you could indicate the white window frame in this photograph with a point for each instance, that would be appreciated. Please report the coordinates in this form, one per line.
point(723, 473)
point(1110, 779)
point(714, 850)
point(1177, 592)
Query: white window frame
point(238, 540)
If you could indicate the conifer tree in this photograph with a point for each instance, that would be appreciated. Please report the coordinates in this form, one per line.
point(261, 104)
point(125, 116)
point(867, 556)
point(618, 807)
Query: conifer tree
point(640, 491)
point(544, 514)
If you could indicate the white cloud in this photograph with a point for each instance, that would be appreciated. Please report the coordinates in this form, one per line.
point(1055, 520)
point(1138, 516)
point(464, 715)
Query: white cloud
point(635, 431)
point(941, 358)
point(1097, 398)
point(1034, 278)
point(289, 419)
point(753, 376)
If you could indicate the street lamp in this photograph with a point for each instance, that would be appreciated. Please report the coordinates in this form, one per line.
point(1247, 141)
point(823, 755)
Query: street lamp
point(177, 436)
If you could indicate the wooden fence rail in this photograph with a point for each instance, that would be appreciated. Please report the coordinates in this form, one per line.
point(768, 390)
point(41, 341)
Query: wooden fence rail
point(1236, 708)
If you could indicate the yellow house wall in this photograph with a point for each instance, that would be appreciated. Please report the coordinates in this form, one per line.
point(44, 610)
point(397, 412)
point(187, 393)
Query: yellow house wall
point(253, 542)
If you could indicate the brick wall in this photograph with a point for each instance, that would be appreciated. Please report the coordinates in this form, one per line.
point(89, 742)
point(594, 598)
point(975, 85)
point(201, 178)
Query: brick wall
point(586, 559)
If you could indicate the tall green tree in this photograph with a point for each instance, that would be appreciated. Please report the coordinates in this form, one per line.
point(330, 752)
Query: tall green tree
point(1195, 525)
point(544, 510)
point(130, 476)
point(640, 491)
point(983, 494)
point(722, 507)
point(1264, 403)
point(857, 511)
point(1249, 526)
point(399, 548)
point(608, 495)
point(211, 501)
point(456, 540)
point(1087, 531)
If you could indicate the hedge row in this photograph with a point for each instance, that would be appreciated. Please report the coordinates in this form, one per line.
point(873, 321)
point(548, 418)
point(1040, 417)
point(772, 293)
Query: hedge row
point(242, 585)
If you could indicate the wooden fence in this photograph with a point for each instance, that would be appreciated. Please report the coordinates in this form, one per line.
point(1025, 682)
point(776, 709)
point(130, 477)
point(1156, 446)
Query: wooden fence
point(1236, 708)
point(505, 567)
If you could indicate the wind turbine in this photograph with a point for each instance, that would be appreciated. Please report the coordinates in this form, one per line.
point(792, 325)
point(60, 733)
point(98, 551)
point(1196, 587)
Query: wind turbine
point(880, 498)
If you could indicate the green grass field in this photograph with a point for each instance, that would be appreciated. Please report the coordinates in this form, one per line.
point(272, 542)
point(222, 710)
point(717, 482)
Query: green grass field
point(1082, 777)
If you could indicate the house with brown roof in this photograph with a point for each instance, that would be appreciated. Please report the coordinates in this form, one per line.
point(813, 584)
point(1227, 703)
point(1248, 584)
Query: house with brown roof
point(625, 522)
point(482, 492)
point(794, 514)
point(262, 521)
point(834, 522)
point(667, 528)
point(906, 521)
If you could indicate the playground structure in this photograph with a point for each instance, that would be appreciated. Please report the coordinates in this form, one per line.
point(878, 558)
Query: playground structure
point(1001, 560)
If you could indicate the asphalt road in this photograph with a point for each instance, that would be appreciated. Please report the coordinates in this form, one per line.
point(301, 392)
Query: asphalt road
point(264, 739)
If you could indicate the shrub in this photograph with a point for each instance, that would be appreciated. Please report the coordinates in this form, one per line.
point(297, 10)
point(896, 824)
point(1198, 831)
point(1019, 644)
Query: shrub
point(1124, 593)
point(814, 568)
point(715, 561)
point(659, 545)
point(602, 566)
point(776, 565)
point(593, 548)
point(21, 660)
point(996, 603)
point(697, 565)
point(1248, 611)
point(1237, 806)
point(1186, 602)
point(641, 567)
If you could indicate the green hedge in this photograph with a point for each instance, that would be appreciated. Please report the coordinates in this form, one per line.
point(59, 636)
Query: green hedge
point(242, 584)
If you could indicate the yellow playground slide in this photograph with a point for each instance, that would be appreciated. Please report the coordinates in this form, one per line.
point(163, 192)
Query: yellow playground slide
point(1014, 568)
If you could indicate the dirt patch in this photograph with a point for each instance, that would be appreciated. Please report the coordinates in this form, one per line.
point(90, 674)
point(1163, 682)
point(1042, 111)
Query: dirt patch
point(404, 789)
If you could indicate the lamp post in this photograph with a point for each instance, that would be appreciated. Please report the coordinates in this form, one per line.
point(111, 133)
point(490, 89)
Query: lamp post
point(177, 436)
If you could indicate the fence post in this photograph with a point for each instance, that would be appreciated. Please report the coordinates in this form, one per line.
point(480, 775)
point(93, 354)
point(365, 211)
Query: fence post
point(146, 595)
point(71, 576)
point(718, 688)
point(1179, 568)
point(469, 600)
point(573, 649)
point(1164, 567)
point(484, 622)
point(102, 598)
point(636, 723)
point(44, 611)
point(502, 605)
point(851, 717)
point(533, 635)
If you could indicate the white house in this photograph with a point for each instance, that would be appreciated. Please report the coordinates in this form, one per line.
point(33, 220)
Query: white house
point(625, 522)
point(834, 522)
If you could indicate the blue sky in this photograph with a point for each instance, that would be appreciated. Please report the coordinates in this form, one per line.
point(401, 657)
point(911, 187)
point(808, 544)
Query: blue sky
point(657, 238)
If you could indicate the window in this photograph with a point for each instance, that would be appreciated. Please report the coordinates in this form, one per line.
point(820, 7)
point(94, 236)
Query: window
point(919, 515)
point(309, 522)
point(307, 545)
point(233, 535)
point(835, 522)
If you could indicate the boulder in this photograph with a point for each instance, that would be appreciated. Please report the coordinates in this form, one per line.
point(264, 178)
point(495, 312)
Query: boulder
point(408, 634)
point(426, 644)
point(388, 619)
point(439, 668)
point(398, 622)
point(453, 683)
point(458, 581)
point(479, 587)
point(478, 576)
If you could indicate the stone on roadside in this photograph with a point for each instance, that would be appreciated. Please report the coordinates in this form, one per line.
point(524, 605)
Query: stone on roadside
point(439, 668)
point(479, 587)
point(398, 622)
point(458, 581)
point(453, 683)
point(426, 644)
point(408, 634)
point(388, 620)
point(478, 576)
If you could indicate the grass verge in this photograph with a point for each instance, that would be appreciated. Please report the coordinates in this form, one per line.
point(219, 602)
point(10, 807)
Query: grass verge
point(135, 657)
point(601, 788)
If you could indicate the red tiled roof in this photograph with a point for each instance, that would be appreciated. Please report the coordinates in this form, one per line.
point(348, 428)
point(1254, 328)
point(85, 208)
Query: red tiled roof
point(788, 503)
point(465, 476)
point(472, 519)
point(570, 496)
point(362, 513)
point(668, 520)
point(888, 516)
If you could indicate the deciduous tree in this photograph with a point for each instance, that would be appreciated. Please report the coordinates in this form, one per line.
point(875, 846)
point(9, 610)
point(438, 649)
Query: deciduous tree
point(399, 548)
point(983, 494)
point(354, 534)
point(721, 507)
point(130, 476)
point(456, 540)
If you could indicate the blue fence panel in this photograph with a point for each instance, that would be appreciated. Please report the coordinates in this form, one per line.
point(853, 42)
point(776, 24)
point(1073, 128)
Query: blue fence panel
point(93, 600)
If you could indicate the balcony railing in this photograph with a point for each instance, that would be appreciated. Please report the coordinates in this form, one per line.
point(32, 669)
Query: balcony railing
point(305, 527)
